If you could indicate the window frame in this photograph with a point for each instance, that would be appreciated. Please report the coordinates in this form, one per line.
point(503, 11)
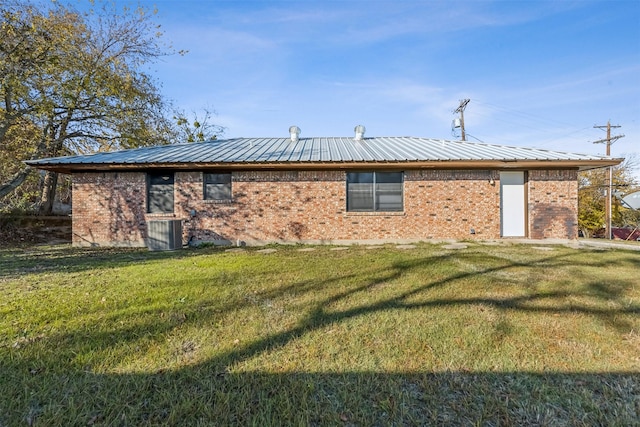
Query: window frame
point(152, 206)
point(227, 185)
point(375, 191)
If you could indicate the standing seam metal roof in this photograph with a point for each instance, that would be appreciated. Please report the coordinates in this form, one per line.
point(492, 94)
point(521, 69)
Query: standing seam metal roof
point(325, 149)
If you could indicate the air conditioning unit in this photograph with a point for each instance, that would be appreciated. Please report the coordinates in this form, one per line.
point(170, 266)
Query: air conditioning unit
point(164, 235)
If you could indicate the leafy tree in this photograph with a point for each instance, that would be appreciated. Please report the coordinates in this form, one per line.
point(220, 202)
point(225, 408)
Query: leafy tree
point(78, 80)
point(196, 128)
point(19, 145)
point(592, 192)
point(591, 201)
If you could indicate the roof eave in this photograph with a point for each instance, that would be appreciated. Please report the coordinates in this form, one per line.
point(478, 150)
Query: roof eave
point(412, 164)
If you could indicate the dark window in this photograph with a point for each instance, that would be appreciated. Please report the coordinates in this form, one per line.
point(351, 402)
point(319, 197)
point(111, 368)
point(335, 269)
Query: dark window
point(160, 192)
point(217, 186)
point(360, 191)
point(374, 191)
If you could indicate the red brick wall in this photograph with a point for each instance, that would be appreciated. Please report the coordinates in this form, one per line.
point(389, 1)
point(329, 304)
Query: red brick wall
point(110, 208)
point(553, 204)
point(311, 206)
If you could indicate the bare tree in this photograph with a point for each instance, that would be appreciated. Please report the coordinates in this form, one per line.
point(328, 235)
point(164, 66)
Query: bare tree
point(78, 79)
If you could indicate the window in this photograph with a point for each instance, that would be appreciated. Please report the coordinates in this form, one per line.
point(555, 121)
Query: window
point(374, 191)
point(160, 192)
point(217, 186)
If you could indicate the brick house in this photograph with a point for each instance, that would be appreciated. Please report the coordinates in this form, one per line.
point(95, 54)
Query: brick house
point(332, 190)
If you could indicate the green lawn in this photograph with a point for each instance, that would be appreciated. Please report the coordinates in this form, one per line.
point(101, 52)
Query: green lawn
point(488, 335)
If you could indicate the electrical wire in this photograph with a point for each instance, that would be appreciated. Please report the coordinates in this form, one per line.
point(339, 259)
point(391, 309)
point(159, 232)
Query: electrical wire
point(528, 120)
point(477, 139)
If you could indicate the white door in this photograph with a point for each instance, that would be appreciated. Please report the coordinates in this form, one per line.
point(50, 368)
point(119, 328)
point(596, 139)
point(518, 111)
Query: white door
point(512, 204)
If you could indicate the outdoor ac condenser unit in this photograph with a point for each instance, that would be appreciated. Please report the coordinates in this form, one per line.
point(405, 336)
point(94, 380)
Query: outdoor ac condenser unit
point(164, 235)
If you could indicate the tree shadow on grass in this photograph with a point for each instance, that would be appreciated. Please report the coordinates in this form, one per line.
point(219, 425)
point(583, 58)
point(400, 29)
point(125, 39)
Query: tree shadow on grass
point(52, 390)
point(201, 396)
point(65, 258)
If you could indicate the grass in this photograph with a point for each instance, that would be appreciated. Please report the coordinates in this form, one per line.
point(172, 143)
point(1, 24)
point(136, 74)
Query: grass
point(487, 335)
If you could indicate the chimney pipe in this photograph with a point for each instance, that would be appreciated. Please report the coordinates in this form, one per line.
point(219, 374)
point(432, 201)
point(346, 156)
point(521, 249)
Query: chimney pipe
point(359, 130)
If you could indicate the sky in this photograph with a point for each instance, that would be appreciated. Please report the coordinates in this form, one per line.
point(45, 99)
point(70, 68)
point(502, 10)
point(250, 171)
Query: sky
point(537, 73)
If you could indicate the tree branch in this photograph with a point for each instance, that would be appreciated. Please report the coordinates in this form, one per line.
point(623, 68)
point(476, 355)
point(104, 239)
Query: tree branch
point(15, 181)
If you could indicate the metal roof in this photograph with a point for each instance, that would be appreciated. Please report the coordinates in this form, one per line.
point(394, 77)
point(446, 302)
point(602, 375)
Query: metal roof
point(326, 151)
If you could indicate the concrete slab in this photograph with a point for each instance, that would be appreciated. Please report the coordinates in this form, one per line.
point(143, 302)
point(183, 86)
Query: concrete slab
point(456, 246)
point(406, 247)
point(339, 248)
point(608, 244)
point(306, 250)
point(235, 250)
point(267, 251)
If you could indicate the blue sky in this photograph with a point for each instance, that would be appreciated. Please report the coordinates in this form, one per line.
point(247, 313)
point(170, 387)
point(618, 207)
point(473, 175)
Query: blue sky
point(538, 73)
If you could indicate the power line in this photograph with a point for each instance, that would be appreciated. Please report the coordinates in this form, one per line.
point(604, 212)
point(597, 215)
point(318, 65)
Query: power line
point(609, 139)
point(540, 119)
point(521, 119)
point(477, 139)
point(523, 114)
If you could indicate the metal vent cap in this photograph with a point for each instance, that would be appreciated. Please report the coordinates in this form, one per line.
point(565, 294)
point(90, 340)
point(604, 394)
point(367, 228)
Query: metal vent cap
point(294, 131)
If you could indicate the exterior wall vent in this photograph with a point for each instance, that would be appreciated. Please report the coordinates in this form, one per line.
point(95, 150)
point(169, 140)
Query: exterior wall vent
point(165, 235)
point(294, 131)
point(359, 130)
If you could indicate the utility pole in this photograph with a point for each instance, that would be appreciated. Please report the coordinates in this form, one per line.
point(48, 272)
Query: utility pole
point(607, 206)
point(460, 109)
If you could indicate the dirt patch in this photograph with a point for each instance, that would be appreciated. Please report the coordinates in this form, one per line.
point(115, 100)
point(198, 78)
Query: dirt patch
point(35, 230)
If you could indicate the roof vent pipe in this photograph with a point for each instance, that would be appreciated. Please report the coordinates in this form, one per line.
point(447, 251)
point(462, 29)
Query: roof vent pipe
point(360, 130)
point(294, 131)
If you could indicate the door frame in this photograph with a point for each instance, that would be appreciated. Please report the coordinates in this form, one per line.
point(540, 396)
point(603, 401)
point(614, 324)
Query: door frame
point(524, 206)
